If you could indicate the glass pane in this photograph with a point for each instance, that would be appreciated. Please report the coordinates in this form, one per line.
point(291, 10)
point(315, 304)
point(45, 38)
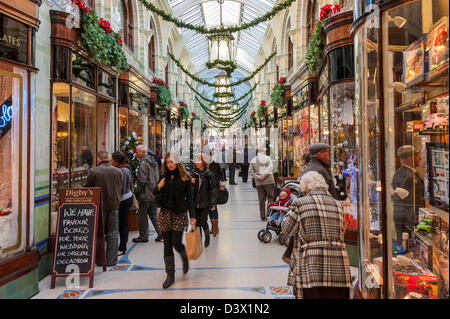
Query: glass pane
point(106, 83)
point(324, 130)
point(105, 127)
point(82, 71)
point(60, 146)
point(136, 122)
point(341, 64)
point(367, 140)
point(13, 40)
point(158, 139)
point(61, 63)
point(314, 123)
point(83, 135)
point(123, 94)
point(151, 135)
point(417, 170)
point(139, 101)
point(123, 122)
point(10, 181)
point(343, 140)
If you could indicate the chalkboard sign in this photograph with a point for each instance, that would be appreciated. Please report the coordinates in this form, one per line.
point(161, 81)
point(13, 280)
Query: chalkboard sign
point(79, 233)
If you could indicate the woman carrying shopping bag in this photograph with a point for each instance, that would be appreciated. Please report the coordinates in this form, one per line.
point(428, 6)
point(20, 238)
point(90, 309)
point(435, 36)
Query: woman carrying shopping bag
point(174, 196)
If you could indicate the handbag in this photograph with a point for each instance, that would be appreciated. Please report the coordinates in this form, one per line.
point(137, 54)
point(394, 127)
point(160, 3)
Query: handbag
point(222, 196)
point(287, 254)
point(135, 205)
point(194, 246)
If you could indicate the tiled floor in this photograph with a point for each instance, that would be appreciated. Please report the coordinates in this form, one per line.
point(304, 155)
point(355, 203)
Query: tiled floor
point(236, 265)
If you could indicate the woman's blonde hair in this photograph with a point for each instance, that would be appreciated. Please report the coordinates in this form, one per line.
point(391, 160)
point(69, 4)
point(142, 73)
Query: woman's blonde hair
point(184, 174)
point(313, 180)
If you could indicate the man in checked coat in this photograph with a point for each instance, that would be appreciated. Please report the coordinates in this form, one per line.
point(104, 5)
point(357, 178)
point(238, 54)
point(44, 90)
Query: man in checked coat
point(319, 264)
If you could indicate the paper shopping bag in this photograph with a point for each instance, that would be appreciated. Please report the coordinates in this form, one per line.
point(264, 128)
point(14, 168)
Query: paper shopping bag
point(194, 245)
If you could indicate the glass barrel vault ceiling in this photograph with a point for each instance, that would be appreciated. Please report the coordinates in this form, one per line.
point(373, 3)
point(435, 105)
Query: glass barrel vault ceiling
point(234, 12)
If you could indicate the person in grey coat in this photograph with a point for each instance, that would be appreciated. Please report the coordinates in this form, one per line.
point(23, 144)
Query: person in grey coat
point(261, 169)
point(147, 179)
point(320, 162)
point(109, 178)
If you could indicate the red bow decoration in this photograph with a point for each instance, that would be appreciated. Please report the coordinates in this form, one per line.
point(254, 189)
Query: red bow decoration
point(281, 81)
point(82, 5)
point(253, 114)
point(106, 25)
point(263, 102)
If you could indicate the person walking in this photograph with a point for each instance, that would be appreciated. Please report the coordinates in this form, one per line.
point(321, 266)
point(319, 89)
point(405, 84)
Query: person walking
point(320, 162)
point(319, 266)
point(205, 193)
point(175, 196)
point(232, 166)
point(219, 178)
point(245, 165)
point(109, 178)
point(261, 168)
point(120, 160)
point(147, 178)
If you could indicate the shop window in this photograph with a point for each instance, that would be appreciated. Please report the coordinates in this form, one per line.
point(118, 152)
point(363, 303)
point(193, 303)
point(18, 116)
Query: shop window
point(12, 87)
point(367, 113)
point(106, 83)
point(324, 130)
point(128, 24)
point(123, 94)
point(151, 135)
point(13, 40)
point(83, 138)
point(158, 138)
point(139, 101)
point(341, 64)
point(136, 123)
point(82, 71)
point(61, 63)
point(123, 122)
point(415, 86)
point(105, 127)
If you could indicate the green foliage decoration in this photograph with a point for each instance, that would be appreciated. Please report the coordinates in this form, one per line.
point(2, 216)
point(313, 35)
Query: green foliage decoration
point(104, 47)
point(203, 30)
point(196, 78)
point(128, 147)
point(277, 95)
point(316, 44)
point(217, 102)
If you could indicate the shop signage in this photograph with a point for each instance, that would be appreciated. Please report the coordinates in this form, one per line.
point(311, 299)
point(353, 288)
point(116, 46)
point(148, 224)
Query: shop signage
point(5, 115)
point(79, 234)
point(13, 40)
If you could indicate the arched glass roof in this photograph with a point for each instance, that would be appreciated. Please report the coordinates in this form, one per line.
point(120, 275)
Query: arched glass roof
point(234, 12)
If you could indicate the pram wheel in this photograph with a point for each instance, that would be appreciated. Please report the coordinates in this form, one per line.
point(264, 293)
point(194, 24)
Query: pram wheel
point(282, 239)
point(260, 234)
point(267, 236)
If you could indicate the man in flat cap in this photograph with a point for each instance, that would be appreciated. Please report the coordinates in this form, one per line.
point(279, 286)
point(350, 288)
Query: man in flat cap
point(408, 189)
point(320, 162)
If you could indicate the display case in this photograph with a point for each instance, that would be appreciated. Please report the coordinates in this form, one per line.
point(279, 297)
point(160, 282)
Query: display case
point(401, 111)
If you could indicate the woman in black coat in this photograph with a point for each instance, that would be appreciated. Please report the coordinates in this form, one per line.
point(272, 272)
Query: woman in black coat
point(205, 193)
point(175, 197)
point(220, 185)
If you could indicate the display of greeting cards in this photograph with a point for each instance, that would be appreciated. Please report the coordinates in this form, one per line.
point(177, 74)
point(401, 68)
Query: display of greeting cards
point(437, 46)
point(414, 62)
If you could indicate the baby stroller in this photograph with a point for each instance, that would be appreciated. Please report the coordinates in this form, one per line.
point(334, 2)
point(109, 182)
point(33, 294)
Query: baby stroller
point(265, 235)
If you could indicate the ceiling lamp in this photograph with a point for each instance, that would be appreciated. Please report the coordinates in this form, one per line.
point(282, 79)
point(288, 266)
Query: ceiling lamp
point(220, 45)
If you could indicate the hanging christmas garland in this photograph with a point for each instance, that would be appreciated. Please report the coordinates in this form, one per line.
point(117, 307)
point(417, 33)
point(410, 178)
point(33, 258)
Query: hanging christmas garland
point(128, 147)
point(196, 78)
point(227, 66)
point(203, 30)
point(206, 109)
point(100, 40)
point(277, 95)
point(217, 102)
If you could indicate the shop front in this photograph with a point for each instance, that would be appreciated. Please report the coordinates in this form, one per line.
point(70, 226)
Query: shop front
point(19, 256)
point(402, 154)
point(83, 112)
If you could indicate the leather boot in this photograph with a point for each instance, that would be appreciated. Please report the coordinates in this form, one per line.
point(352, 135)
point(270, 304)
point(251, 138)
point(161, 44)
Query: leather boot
point(169, 261)
point(185, 259)
point(215, 227)
point(207, 237)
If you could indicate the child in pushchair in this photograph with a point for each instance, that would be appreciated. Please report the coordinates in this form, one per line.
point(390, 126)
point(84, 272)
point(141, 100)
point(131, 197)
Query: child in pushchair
point(277, 210)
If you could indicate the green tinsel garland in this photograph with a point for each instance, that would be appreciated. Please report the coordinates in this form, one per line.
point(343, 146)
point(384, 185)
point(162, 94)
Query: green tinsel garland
point(206, 109)
point(216, 102)
point(194, 77)
point(203, 30)
point(231, 116)
point(227, 66)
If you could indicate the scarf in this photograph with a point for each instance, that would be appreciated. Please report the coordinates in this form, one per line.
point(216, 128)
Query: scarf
point(283, 202)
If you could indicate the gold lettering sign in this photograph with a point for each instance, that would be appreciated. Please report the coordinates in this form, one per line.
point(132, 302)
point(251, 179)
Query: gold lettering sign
point(7, 39)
